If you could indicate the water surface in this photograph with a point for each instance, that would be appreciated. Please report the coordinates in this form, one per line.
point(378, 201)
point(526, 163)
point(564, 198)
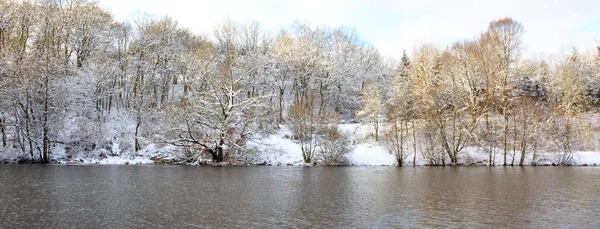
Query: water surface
point(35, 196)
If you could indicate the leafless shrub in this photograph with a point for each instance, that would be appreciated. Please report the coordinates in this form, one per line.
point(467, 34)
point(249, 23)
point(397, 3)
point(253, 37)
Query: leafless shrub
point(333, 145)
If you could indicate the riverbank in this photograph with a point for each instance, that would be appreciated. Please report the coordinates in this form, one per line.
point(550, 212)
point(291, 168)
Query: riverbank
point(364, 155)
point(278, 149)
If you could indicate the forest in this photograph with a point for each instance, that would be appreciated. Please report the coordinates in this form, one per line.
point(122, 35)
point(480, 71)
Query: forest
point(76, 83)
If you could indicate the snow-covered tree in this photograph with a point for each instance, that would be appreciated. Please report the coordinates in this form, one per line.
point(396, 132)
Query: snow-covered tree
point(401, 111)
point(372, 106)
point(305, 123)
point(569, 130)
point(223, 111)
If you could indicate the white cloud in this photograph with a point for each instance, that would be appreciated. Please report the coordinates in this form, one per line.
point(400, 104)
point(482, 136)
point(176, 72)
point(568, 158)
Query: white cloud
point(393, 25)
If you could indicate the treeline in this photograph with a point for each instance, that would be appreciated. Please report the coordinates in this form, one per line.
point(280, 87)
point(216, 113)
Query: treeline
point(72, 76)
point(482, 93)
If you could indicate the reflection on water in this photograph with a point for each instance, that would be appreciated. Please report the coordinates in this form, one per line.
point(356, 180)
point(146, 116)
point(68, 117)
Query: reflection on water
point(182, 197)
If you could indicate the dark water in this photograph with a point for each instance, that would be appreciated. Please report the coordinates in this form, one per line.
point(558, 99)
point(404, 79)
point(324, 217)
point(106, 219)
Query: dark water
point(275, 197)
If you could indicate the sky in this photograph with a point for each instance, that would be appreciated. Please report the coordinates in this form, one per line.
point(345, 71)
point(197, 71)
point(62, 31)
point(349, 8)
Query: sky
point(551, 26)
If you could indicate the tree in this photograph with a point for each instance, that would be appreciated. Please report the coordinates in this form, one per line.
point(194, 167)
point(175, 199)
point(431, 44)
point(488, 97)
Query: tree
point(505, 37)
point(372, 106)
point(569, 129)
point(401, 111)
point(593, 81)
point(531, 100)
point(597, 61)
point(305, 123)
point(281, 53)
point(222, 115)
point(333, 144)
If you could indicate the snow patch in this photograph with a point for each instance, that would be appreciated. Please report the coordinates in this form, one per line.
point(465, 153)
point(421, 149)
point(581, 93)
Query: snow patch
point(367, 154)
point(589, 158)
point(278, 148)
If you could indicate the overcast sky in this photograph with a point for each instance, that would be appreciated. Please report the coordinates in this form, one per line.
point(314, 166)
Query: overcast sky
point(552, 26)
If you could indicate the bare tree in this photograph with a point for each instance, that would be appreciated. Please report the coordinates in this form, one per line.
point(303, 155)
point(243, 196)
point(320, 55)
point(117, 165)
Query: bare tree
point(401, 111)
point(505, 37)
point(568, 128)
point(305, 123)
point(333, 145)
point(222, 114)
point(372, 106)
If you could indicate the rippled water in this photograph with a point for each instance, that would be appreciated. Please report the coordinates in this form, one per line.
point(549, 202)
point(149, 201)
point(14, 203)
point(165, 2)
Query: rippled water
point(35, 196)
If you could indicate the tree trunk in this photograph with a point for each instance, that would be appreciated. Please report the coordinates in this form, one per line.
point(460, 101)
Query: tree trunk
point(45, 154)
point(219, 155)
point(376, 129)
point(523, 142)
point(505, 139)
point(137, 131)
point(447, 148)
point(164, 95)
point(3, 130)
point(487, 137)
point(281, 93)
point(322, 99)
point(514, 148)
point(400, 150)
point(28, 128)
point(414, 143)
point(110, 102)
point(567, 144)
point(184, 98)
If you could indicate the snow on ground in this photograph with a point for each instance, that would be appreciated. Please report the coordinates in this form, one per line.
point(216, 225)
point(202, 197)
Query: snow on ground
point(121, 160)
point(141, 157)
point(110, 160)
point(279, 149)
point(368, 154)
point(589, 158)
point(9, 154)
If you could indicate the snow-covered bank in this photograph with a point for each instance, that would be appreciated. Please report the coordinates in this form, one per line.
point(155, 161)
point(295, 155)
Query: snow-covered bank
point(112, 160)
point(587, 158)
point(279, 149)
point(367, 154)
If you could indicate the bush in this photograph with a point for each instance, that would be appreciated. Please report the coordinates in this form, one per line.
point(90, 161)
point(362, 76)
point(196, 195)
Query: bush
point(333, 145)
point(432, 150)
point(304, 122)
point(565, 135)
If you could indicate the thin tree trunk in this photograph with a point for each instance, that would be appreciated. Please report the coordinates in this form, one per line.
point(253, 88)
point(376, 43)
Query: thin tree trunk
point(487, 137)
point(164, 95)
point(281, 93)
point(414, 143)
point(137, 131)
point(514, 148)
point(376, 129)
point(28, 128)
point(505, 138)
point(535, 147)
point(399, 144)
point(46, 139)
point(3, 130)
point(523, 141)
point(184, 98)
point(567, 147)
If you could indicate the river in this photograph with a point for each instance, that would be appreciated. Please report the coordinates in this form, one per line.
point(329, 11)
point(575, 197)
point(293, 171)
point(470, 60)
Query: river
point(152, 196)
